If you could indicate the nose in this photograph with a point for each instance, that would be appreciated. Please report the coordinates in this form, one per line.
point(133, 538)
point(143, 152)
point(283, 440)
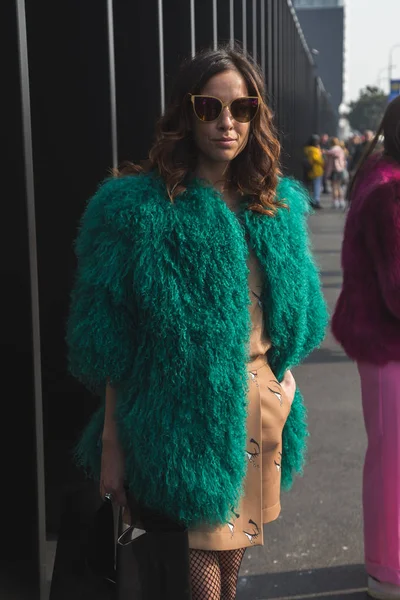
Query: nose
point(225, 121)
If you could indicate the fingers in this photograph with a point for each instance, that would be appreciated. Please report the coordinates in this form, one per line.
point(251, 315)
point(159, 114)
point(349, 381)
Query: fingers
point(118, 495)
point(288, 377)
point(289, 385)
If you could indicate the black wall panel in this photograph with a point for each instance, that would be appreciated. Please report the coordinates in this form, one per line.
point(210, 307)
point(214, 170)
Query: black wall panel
point(223, 21)
point(204, 24)
point(238, 20)
point(269, 62)
point(249, 26)
point(71, 155)
point(19, 563)
point(137, 75)
point(176, 47)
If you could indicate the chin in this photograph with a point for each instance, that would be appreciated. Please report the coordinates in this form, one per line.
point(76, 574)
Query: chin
point(224, 155)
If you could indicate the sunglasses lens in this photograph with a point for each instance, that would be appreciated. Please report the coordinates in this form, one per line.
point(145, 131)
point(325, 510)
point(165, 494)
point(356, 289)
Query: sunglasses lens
point(207, 108)
point(244, 109)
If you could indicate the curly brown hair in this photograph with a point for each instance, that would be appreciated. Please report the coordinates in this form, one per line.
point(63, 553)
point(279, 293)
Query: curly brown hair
point(255, 171)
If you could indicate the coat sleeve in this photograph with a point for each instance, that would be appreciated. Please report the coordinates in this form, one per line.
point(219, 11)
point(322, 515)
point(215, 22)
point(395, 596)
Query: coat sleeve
point(382, 235)
point(100, 329)
point(305, 310)
point(308, 319)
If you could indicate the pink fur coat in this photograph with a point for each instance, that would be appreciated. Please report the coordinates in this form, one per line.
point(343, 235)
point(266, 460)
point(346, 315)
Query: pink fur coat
point(366, 321)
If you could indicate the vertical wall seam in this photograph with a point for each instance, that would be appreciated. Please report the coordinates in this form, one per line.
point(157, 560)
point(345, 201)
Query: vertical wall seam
point(263, 25)
point(244, 24)
point(231, 23)
point(192, 29)
point(161, 54)
point(34, 288)
point(255, 29)
point(113, 94)
point(215, 25)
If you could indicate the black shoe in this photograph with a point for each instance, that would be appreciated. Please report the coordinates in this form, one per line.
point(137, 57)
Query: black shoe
point(317, 206)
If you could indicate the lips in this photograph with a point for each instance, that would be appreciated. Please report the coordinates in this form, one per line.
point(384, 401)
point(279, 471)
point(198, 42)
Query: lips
point(225, 142)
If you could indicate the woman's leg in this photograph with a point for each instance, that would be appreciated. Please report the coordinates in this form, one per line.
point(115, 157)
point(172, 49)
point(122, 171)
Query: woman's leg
point(336, 193)
point(229, 562)
point(317, 184)
point(340, 187)
point(205, 575)
point(380, 388)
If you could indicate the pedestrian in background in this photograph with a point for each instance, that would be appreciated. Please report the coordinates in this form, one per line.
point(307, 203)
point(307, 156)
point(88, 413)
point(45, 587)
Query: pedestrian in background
point(325, 146)
point(197, 389)
point(352, 145)
point(346, 175)
point(335, 171)
point(314, 169)
point(360, 149)
point(366, 322)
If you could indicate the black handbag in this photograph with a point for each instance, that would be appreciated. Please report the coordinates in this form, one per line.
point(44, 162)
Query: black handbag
point(85, 554)
point(155, 564)
point(91, 564)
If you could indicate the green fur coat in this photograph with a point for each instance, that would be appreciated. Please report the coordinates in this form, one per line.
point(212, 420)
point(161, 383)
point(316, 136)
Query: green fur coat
point(160, 308)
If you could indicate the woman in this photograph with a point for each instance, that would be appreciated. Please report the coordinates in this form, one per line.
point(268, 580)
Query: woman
point(346, 176)
point(196, 292)
point(367, 324)
point(314, 168)
point(335, 171)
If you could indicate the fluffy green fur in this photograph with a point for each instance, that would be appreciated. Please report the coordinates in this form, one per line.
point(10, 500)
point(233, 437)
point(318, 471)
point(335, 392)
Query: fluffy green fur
point(160, 308)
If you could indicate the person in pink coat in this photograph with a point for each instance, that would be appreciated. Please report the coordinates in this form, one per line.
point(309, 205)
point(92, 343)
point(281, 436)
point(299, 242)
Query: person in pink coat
point(335, 169)
point(366, 322)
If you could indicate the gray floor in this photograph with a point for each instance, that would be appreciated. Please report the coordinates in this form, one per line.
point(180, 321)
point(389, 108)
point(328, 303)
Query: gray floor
point(315, 548)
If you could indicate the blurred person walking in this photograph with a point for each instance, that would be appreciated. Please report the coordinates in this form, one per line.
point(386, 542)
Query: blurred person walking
point(346, 172)
point(336, 167)
point(366, 323)
point(325, 146)
point(352, 145)
point(360, 149)
point(314, 169)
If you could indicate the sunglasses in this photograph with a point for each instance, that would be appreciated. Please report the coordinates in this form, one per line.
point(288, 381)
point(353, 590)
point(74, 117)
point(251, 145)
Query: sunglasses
point(209, 108)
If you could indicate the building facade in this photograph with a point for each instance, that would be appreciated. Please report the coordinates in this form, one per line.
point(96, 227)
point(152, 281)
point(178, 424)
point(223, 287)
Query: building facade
point(323, 24)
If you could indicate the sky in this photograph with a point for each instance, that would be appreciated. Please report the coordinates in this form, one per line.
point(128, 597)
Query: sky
point(372, 28)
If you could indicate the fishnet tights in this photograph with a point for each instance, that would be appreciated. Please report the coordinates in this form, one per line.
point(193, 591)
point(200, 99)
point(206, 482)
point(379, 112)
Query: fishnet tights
point(214, 574)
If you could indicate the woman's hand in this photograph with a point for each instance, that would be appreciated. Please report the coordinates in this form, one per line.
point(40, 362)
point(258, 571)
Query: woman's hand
point(289, 385)
point(113, 471)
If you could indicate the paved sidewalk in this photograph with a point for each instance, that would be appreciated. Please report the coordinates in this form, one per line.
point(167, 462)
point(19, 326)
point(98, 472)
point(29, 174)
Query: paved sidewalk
point(315, 550)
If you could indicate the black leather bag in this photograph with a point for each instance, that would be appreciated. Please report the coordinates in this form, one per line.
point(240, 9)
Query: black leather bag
point(154, 564)
point(85, 555)
point(91, 565)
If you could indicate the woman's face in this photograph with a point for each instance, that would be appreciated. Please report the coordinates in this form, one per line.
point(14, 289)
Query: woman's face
point(221, 140)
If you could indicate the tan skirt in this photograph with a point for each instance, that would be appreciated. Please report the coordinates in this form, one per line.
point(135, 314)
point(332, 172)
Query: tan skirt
point(268, 409)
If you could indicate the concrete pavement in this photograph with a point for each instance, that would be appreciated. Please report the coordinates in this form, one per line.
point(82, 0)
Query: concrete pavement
point(315, 549)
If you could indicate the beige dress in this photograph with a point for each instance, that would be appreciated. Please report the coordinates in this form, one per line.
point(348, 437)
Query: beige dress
point(268, 409)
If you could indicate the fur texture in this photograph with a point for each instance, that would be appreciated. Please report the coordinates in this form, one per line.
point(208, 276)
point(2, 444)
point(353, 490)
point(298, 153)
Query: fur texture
point(160, 308)
point(366, 320)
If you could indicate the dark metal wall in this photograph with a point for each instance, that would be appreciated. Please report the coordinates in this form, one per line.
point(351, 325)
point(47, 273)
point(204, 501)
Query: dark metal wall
point(78, 129)
point(324, 31)
point(19, 571)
